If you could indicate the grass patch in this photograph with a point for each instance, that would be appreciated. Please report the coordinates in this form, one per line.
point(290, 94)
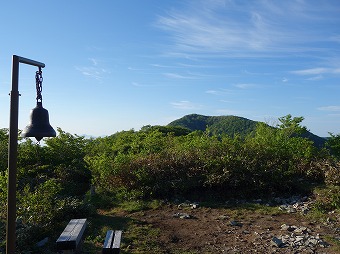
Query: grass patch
point(137, 236)
point(141, 238)
point(327, 202)
point(335, 242)
point(98, 225)
point(255, 208)
point(139, 205)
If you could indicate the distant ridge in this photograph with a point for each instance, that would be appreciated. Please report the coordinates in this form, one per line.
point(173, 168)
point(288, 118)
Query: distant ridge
point(229, 125)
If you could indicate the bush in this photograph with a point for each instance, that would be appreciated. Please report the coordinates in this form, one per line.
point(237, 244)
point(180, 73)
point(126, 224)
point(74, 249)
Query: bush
point(43, 209)
point(334, 144)
point(327, 199)
point(332, 172)
point(160, 165)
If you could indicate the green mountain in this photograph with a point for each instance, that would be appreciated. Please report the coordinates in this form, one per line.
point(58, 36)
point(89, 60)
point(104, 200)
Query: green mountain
point(230, 125)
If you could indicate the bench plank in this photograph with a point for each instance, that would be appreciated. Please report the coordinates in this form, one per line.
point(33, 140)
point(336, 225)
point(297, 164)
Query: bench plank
point(72, 234)
point(116, 240)
point(108, 241)
point(112, 242)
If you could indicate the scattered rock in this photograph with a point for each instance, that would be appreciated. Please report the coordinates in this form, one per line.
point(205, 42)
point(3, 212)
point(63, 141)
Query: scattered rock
point(302, 230)
point(294, 204)
point(301, 237)
point(194, 205)
point(222, 217)
point(277, 242)
point(223, 230)
point(236, 223)
point(188, 204)
point(182, 216)
point(286, 227)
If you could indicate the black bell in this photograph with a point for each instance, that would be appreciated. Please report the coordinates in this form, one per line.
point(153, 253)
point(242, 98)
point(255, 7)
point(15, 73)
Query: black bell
point(39, 126)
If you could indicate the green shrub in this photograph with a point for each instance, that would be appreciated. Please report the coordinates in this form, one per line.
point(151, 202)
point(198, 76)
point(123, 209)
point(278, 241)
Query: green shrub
point(38, 206)
point(327, 199)
point(334, 144)
point(332, 173)
point(153, 164)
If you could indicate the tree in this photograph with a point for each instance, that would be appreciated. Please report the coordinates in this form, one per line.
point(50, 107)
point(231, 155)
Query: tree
point(334, 144)
point(3, 149)
point(292, 125)
point(65, 154)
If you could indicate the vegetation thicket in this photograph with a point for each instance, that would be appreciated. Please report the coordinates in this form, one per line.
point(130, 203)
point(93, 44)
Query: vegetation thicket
point(162, 162)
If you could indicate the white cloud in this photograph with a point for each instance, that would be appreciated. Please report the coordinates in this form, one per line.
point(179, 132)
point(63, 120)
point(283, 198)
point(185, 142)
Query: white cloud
point(195, 33)
point(136, 84)
point(185, 105)
point(312, 71)
point(219, 92)
point(94, 61)
point(244, 86)
point(257, 27)
point(318, 77)
point(317, 71)
point(93, 71)
point(178, 76)
point(330, 108)
point(335, 38)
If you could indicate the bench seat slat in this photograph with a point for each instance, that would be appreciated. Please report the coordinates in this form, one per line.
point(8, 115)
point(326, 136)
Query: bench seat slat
point(112, 242)
point(117, 239)
point(72, 234)
point(108, 241)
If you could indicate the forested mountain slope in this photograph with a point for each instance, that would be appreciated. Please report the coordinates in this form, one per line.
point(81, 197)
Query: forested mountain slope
point(229, 125)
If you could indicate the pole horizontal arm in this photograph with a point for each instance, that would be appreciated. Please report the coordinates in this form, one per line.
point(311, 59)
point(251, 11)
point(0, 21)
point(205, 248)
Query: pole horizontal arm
point(28, 61)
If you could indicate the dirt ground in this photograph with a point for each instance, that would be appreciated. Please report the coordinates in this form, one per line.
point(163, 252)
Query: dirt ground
point(228, 230)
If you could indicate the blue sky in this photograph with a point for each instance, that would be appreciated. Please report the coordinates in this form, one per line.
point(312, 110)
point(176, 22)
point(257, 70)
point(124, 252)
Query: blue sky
point(120, 65)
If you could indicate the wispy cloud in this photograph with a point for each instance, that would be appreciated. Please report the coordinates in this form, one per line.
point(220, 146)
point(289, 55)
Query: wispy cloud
point(316, 73)
point(187, 105)
point(330, 108)
point(245, 85)
point(179, 76)
point(312, 71)
point(335, 38)
point(219, 91)
point(94, 61)
point(229, 27)
point(136, 84)
point(318, 77)
point(94, 70)
point(195, 33)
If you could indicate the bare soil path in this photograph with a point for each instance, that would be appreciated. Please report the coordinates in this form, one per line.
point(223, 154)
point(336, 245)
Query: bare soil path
point(178, 229)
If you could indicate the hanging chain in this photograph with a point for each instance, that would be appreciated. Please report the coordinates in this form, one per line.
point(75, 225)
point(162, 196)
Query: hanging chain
point(38, 83)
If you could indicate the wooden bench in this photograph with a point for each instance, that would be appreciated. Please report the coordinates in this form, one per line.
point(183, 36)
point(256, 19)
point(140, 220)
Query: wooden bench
point(70, 239)
point(112, 242)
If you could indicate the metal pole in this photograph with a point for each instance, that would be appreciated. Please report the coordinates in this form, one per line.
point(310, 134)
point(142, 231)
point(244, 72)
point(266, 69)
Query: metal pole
point(13, 151)
point(12, 158)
